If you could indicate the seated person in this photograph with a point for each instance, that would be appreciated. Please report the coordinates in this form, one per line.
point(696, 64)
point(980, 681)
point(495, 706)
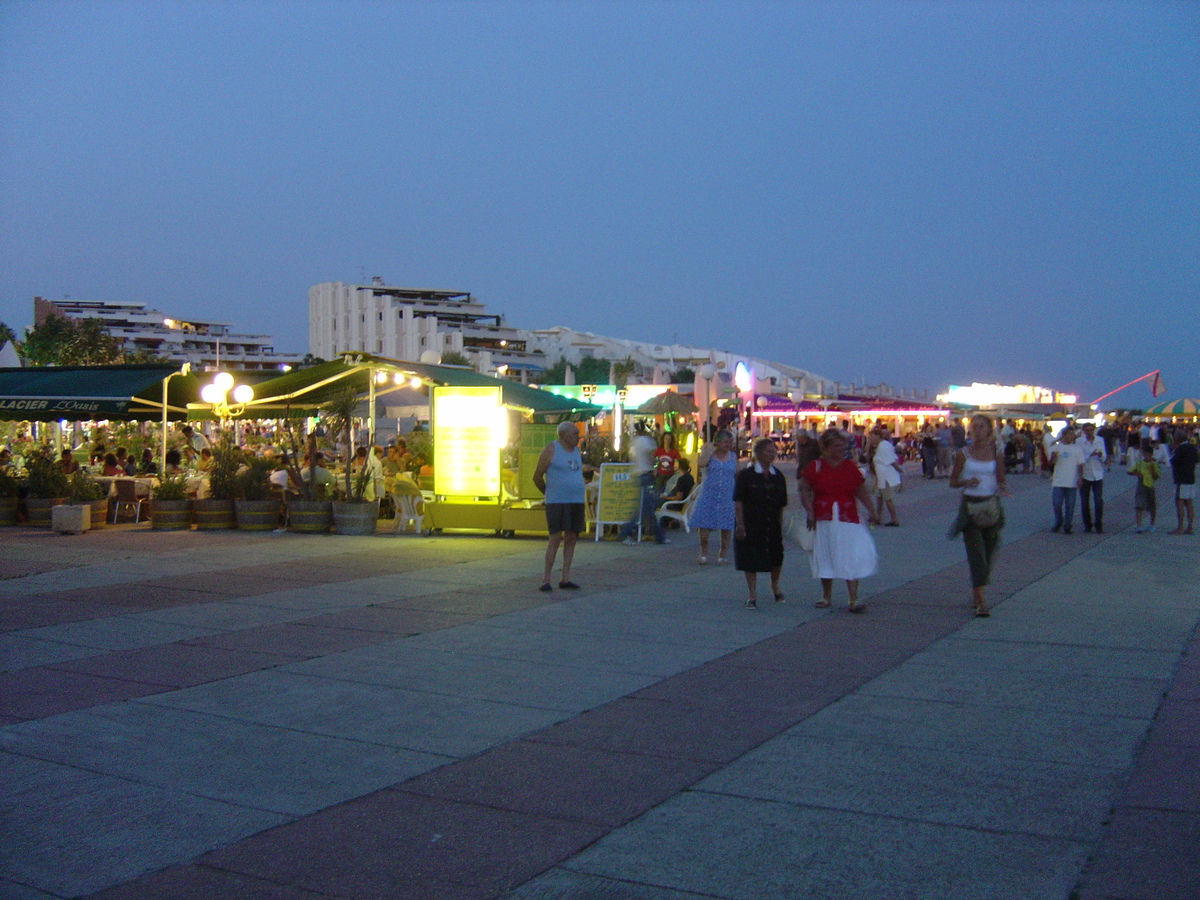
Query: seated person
point(317, 473)
point(68, 464)
point(111, 467)
point(173, 461)
point(680, 488)
point(148, 466)
point(205, 462)
point(128, 466)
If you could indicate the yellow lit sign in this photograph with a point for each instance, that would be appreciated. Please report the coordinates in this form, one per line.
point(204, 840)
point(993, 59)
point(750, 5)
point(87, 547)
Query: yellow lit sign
point(469, 427)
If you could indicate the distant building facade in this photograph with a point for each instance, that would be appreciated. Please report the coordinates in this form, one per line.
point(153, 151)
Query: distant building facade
point(405, 323)
point(206, 345)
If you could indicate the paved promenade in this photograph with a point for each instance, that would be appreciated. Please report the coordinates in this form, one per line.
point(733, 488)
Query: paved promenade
point(279, 717)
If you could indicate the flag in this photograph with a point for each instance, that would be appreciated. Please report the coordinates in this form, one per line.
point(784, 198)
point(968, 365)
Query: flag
point(1157, 388)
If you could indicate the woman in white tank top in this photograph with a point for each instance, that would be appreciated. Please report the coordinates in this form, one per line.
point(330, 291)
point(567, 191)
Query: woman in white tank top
point(979, 471)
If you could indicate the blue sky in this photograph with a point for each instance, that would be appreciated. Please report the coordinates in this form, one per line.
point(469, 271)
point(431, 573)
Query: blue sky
point(920, 193)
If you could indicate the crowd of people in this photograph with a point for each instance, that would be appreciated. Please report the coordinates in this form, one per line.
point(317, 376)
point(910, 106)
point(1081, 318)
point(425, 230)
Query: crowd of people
point(848, 477)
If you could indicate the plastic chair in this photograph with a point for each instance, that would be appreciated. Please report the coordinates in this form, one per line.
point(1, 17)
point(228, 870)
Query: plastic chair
point(680, 510)
point(127, 496)
point(410, 505)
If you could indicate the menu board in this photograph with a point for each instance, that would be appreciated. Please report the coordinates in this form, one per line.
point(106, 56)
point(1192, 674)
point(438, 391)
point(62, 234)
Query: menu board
point(620, 494)
point(469, 427)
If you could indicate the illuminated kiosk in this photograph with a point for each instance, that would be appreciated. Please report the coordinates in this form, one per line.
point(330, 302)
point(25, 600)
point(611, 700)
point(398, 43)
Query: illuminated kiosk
point(472, 417)
point(470, 430)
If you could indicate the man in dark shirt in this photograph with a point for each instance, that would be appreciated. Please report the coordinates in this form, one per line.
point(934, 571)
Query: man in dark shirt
point(1183, 468)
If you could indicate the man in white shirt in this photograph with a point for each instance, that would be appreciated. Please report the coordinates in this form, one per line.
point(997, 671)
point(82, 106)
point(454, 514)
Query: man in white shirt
point(1091, 484)
point(887, 476)
point(1066, 461)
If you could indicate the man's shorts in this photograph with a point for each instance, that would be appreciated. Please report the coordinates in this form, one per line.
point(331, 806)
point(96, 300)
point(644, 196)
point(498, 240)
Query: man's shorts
point(1185, 492)
point(885, 493)
point(565, 517)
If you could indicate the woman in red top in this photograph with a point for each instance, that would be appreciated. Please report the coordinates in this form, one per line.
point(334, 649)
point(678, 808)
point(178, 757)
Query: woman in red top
point(831, 489)
point(665, 458)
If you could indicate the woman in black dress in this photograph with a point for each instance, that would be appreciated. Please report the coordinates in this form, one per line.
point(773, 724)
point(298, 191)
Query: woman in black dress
point(759, 496)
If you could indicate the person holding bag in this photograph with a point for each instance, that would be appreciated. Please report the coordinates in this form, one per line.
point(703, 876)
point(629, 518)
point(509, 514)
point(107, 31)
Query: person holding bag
point(979, 471)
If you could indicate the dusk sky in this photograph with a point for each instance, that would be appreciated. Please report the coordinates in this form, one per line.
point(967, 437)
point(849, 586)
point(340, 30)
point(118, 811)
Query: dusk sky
point(916, 193)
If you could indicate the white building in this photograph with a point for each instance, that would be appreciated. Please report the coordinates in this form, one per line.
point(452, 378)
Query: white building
point(405, 323)
point(203, 344)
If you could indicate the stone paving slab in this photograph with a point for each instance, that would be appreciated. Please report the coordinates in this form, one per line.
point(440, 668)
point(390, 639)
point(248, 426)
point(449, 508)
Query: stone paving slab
point(71, 831)
point(1068, 692)
point(781, 850)
point(174, 665)
point(969, 790)
point(1016, 732)
point(38, 692)
point(252, 766)
point(476, 852)
point(410, 720)
point(569, 689)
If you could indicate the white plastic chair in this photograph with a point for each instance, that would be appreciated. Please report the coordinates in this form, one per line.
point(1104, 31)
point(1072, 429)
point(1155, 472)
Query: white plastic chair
point(410, 505)
point(680, 510)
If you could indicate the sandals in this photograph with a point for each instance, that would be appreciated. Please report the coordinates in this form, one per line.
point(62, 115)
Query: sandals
point(857, 608)
point(779, 598)
point(823, 604)
point(982, 611)
point(702, 561)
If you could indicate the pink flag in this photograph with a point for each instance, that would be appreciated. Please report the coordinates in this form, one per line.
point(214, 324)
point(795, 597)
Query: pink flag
point(1157, 388)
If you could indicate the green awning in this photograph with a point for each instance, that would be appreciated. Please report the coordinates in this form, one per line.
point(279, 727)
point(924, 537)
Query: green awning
point(304, 391)
point(83, 393)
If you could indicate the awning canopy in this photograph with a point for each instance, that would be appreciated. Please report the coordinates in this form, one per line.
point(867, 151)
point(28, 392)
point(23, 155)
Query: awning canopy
point(83, 393)
point(304, 391)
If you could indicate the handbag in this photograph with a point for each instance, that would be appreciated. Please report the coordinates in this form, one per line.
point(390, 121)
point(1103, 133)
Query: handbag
point(984, 512)
point(796, 530)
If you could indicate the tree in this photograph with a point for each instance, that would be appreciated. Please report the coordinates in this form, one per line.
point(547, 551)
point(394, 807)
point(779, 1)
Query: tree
point(60, 341)
point(622, 370)
point(454, 358)
point(683, 375)
point(6, 334)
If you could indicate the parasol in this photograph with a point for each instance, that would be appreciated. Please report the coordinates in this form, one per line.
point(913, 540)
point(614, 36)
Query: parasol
point(667, 402)
point(1187, 406)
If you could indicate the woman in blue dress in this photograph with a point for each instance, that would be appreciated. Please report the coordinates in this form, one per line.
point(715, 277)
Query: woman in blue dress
point(714, 506)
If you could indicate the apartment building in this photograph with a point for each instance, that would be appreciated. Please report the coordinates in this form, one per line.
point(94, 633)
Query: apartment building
point(204, 344)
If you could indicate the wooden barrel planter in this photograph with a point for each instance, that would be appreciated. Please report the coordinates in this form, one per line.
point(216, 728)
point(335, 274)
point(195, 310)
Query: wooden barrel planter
point(38, 510)
point(99, 512)
point(171, 515)
point(256, 515)
point(309, 516)
point(355, 518)
point(214, 515)
point(8, 510)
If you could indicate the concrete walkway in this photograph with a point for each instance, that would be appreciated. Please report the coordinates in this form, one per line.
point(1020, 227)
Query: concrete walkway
point(284, 716)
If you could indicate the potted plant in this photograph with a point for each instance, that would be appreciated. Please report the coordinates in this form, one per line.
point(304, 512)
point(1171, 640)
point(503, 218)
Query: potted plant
point(170, 508)
point(354, 513)
point(47, 488)
point(215, 512)
point(311, 512)
point(8, 498)
point(257, 506)
point(82, 491)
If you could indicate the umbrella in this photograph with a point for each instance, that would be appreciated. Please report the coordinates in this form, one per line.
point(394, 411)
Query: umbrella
point(1187, 406)
point(667, 402)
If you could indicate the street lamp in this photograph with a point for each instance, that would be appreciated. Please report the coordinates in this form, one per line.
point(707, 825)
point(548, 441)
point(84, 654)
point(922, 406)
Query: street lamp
point(707, 373)
point(218, 394)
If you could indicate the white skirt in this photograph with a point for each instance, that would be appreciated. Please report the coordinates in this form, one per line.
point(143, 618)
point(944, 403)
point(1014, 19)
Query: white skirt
point(843, 550)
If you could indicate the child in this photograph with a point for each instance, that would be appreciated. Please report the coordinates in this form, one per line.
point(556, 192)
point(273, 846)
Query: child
point(1147, 472)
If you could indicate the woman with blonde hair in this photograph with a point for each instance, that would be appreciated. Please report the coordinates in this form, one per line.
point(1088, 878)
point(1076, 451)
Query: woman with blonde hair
point(979, 470)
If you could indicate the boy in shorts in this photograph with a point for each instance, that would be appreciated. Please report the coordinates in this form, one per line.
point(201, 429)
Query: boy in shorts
point(1147, 472)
